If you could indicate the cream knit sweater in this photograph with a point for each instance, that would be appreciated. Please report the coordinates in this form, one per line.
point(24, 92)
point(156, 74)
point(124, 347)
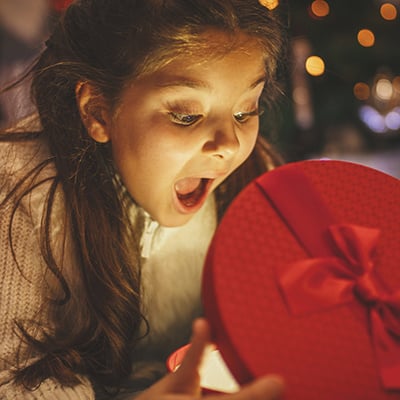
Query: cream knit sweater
point(171, 277)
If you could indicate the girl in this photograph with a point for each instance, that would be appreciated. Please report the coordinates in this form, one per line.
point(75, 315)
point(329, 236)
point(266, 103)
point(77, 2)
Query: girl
point(146, 127)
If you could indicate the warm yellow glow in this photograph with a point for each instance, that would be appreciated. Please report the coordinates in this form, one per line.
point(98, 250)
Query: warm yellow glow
point(315, 65)
point(361, 91)
point(270, 4)
point(320, 8)
point(366, 38)
point(388, 11)
point(215, 375)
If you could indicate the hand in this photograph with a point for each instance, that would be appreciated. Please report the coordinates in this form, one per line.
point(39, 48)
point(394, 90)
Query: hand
point(184, 384)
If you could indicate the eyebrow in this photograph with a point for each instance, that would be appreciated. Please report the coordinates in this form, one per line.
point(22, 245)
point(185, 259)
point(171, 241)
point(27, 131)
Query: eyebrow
point(176, 81)
point(183, 81)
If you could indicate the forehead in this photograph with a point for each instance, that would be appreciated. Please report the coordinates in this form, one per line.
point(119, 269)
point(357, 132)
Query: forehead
point(220, 61)
point(214, 43)
point(201, 49)
point(237, 67)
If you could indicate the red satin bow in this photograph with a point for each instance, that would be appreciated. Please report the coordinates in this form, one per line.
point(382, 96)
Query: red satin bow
point(317, 283)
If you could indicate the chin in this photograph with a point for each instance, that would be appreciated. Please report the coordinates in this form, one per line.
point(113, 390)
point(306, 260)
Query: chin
point(174, 222)
point(172, 219)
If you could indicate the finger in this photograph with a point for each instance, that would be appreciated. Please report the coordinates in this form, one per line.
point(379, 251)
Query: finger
point(266, 388)
point(186, 379)
point(201, 337)
point(184, 383)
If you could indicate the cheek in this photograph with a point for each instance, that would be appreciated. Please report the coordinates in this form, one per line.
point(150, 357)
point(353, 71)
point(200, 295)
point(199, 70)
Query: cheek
point(248, 141)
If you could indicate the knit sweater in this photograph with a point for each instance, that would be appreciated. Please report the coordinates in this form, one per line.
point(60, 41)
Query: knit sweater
point(170, 277)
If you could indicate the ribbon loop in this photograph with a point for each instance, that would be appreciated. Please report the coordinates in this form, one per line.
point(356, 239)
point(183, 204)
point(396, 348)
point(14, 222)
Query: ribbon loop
point(314, 284)
point(356, 244)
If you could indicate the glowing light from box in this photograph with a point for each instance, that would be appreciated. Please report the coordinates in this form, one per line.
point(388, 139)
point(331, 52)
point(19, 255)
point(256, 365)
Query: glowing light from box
point(388, 11)
point(320, 8)
point(315, 65)
point(215, 375)
point(366, 38)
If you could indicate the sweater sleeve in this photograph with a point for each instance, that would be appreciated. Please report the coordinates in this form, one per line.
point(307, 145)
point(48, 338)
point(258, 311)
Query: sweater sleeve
point(48, 390)
point(20, 298)
point(22, 292)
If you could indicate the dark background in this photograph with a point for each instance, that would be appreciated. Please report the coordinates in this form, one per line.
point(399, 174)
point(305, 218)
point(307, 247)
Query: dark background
point(332, 126)
point(337, 130)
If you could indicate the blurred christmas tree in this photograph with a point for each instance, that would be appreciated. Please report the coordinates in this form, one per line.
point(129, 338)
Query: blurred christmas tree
point(344, 88)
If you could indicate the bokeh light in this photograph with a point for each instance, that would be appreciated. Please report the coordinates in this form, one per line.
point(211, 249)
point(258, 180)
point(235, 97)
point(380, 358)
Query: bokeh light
point(396, 84)
point(270, 4)
point(366, 38)
point(388, 11)
point(392, 119)
point(384, 89)
point(320, 8)
point(315, 65)
point(361, 91)
point(373, 119)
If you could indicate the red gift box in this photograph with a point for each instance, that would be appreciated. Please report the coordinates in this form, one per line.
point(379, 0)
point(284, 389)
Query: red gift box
point(302, 279)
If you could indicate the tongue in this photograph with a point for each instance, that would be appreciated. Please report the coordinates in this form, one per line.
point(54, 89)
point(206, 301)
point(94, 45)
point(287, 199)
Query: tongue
point(187, 185)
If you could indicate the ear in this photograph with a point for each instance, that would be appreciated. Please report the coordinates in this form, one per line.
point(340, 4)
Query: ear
point(94, 112)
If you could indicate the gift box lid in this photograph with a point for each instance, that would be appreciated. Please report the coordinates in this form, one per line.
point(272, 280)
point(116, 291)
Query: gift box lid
point(302, 279)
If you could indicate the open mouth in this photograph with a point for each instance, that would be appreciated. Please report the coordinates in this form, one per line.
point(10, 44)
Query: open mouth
point(191, 191)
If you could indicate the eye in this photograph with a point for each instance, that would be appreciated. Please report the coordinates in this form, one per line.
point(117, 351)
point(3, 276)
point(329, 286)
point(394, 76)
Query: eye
point(184, 119)
point(243, 117)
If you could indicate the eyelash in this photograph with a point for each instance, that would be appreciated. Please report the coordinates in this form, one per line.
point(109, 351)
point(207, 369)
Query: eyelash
point(184, 119)
point(191, 119)
point(243, 117)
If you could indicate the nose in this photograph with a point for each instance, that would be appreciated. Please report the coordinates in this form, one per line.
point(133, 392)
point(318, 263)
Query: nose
point(223, 141)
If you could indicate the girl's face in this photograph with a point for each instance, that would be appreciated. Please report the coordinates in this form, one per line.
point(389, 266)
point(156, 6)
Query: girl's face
point(179, 132)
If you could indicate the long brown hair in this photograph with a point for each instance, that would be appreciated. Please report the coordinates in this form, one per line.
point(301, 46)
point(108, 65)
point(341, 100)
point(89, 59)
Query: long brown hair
point(107, 43)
